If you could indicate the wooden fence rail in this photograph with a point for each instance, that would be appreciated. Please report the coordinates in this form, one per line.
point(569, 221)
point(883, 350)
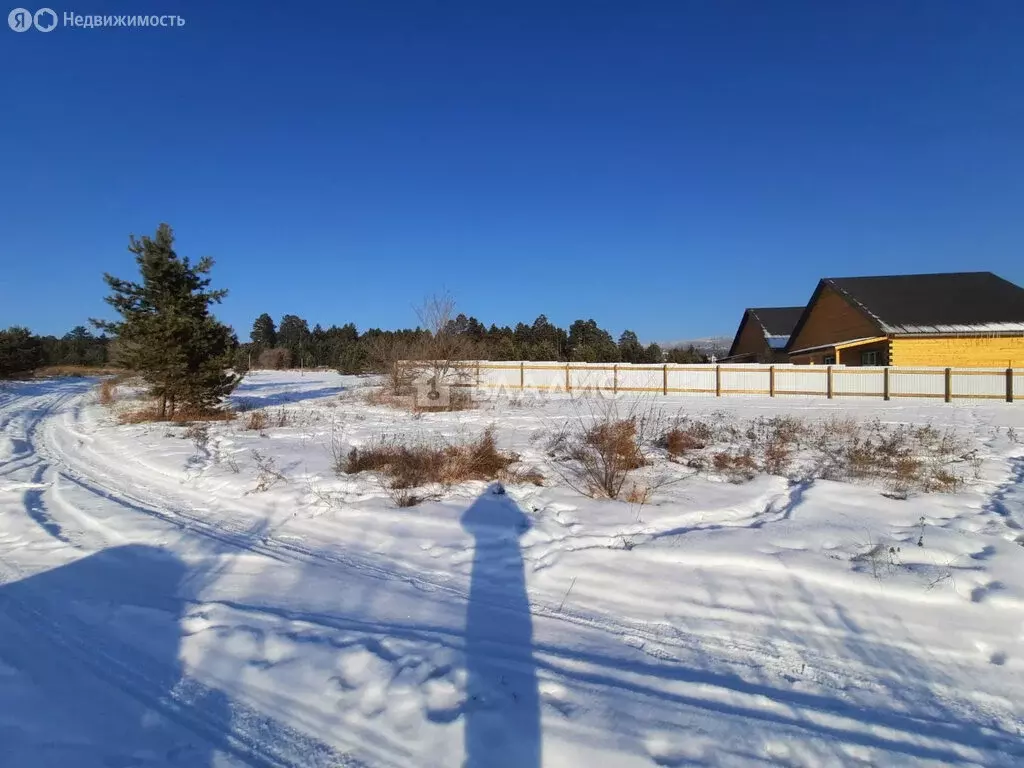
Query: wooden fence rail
point(832, 381)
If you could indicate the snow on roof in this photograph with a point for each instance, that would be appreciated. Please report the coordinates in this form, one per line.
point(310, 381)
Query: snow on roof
point(957, 328)
point(955, 302)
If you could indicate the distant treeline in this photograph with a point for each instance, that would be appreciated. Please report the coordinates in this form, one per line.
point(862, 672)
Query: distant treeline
point(292, 344)
point(22, 352)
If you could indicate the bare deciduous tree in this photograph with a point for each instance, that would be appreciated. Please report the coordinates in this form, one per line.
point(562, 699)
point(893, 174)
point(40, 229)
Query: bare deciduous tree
point(437, 356)
point(390, 355)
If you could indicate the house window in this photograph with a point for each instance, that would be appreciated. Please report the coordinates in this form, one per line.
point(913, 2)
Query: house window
point(869, 358)
point(828, 360)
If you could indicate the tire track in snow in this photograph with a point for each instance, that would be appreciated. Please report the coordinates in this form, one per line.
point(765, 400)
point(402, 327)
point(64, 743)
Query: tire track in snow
point(262, 743)
point(641, 635)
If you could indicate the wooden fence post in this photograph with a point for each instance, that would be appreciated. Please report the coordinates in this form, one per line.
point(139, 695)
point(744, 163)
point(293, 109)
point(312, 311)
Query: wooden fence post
point(828, 382)
point(568, 380)
point(949, 385)
point(1009, 385)
point(771, 381)
point(885, 383)
point(615, 379)
point(664, 379)
point(522, 375)
point(718, 381)
point(478, 374)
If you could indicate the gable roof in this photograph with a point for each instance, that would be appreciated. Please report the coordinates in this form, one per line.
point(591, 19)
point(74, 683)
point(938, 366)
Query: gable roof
point(950, 302)
point(776, 323)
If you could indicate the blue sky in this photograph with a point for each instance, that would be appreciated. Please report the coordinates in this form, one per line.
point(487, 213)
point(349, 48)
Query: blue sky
point(657, 166)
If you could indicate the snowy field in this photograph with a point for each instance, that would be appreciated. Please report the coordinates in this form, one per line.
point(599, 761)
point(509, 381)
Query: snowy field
point(157, 608)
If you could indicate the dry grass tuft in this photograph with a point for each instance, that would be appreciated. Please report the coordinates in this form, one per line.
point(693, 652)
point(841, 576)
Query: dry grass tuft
point(56, 371)
point(108, 391)
point(183, 415)
point(256, 421)
point(901, 458)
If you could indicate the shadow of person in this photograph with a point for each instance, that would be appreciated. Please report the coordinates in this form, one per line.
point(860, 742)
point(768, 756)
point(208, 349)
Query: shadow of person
point(89, 663)
point(502, 710)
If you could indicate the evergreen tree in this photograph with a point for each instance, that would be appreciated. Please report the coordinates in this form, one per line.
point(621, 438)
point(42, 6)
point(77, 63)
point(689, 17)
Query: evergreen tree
point(76, 344)
point(588, 343)
point(552, 341)
point(293, 334)
point(166, 331)
point(20, 352)
point(685, 355)
point(630, 349)
point(654, 354)
point(264, 334)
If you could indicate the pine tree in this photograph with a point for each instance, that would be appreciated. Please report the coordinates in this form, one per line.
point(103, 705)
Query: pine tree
point(20, 352)
point(630, 349)
point(293, 334)
point(654, 354)
point(166, 331)
point(264, 334)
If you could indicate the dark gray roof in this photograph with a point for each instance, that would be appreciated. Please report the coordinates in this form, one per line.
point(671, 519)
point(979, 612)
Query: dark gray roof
point(952, 302)
point(776, 324)
point(777, 321)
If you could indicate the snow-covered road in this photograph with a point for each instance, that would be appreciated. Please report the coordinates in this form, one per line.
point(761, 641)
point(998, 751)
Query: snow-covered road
point(153, 611)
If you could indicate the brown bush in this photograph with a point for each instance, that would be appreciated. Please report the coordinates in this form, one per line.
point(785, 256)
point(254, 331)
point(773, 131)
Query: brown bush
point(415, 466)
point(595, 453)
point(617, 440)
point(736, 467)
point(677, 441)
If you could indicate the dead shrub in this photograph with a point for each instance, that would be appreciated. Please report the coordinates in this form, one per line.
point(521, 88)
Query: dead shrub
point(639, 494)
point(388, 355)
point(267, 473)
point(677, 441)
point(617, 440)
point(596, 453)
point(417, 466)
point(900, 458)
point(736, 468)
point(199, 434)
point(108, 392)
point(257, 421)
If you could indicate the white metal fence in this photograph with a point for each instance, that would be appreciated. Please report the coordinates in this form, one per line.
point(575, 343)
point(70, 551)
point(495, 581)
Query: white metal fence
point(711, 380)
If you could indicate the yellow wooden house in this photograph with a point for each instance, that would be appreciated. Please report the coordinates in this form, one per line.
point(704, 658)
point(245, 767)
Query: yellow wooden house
point(960, 319)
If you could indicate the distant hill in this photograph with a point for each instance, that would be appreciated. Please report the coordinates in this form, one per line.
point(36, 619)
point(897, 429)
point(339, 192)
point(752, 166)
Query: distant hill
point(712, 345)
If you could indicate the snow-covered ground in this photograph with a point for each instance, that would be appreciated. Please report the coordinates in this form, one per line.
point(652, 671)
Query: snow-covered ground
point(157, 609)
